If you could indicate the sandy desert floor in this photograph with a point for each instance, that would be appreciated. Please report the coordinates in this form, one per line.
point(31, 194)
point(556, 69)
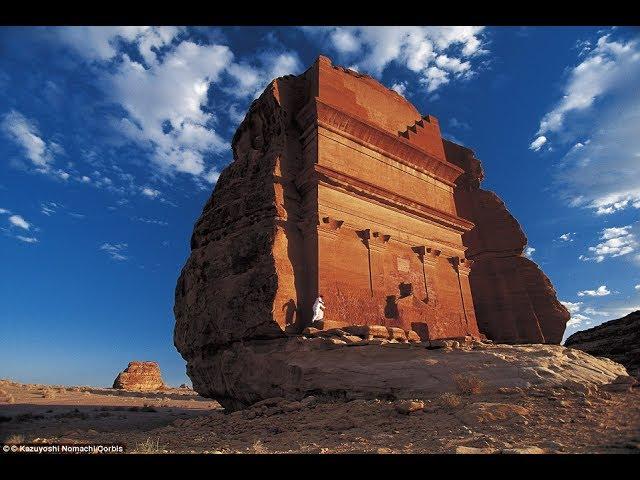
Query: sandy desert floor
point(179, 421)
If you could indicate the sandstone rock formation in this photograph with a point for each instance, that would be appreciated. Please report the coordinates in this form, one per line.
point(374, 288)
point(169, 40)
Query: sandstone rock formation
point(514, 300)
point(291, 368)
point(140, 376)
point(618, 340)
point(340, 186)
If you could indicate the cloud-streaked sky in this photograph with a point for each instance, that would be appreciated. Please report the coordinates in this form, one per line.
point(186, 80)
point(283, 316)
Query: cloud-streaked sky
point(111, 140)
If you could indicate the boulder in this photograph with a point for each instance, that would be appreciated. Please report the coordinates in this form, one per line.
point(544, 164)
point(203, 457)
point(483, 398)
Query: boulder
point(140, 376)
point(408, 406)
point(295, 367)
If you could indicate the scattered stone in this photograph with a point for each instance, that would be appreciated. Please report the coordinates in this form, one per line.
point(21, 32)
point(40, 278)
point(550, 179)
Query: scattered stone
point(293, 406)
point(523, 451)
point(310, 331)
point(486, 412)
point(510, 390)
point(396, 333)
point(309, 401)
point(408, 406)
point(474, 450)
point(413, 336)
point(366, 331)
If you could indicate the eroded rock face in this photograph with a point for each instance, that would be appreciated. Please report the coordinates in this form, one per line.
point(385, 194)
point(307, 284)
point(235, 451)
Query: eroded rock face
point(140, 376)
point(340, 187)
point(618, 340)
point(291, 368)
point(514, 300)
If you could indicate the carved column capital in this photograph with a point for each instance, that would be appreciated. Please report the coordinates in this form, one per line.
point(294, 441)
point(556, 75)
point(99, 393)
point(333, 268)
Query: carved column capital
point(329, 227)
point(364, 236)
point(461, 265)
point(378, 241)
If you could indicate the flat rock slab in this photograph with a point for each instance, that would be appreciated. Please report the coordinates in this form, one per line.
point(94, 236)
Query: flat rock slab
point(291, 368)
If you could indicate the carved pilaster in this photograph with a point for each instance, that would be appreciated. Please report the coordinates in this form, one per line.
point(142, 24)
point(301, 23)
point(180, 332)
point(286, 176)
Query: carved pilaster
point(307, 227)
point(428, 257)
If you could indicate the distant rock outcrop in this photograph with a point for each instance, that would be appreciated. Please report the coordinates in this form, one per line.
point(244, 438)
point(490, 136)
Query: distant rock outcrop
point(140, 376)
point(618, 340)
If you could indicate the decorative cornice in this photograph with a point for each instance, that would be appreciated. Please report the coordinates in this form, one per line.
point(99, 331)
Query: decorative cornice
point(366, 134)
point(334, 179)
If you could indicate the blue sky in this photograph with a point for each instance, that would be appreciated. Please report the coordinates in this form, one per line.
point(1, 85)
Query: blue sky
point(111, 140)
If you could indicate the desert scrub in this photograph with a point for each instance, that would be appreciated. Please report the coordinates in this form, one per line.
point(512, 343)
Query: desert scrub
point(450, 400)
point(258, 447)
point(149, 446)
point(468, 384)
point(14, 440)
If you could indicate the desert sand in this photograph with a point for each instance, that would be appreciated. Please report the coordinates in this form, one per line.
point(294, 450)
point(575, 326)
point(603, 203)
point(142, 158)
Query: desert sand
point(471, 420)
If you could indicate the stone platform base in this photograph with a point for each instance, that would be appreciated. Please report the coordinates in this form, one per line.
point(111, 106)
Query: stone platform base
point(294, 367)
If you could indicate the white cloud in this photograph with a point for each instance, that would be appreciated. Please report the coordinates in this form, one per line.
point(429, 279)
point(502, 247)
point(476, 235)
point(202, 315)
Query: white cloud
point(150, 192)
point(251, 79)
point(538, 143)
point(102, 43)
point(24, 132)
point(164, 103)
point(164, 94)
point(212, 176)
point(455, 123)
point(49, 208)
point(598, 114)
point(4, 211)
point(617, 241)
point(400, 88)
point(591, 79)
point(573, 307)
point(637, 287)
point(345, 41)
point(601, 291)
point(20, 222)
point(27, 239)
point(593, 311)
point(567, 237)
point(435, 54)
point(115, 251)
point(529, 251)
point(577, 319)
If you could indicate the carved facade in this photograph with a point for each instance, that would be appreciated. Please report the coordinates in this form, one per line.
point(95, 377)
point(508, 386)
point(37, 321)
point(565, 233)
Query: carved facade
point(339, 186)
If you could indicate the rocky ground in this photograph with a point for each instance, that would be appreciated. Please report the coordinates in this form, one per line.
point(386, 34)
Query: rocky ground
point(472, 419)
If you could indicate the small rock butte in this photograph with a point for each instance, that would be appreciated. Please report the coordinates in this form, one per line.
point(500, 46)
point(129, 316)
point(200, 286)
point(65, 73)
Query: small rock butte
point(140, 376)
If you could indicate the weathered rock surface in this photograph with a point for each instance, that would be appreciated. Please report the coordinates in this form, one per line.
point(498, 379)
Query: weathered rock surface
point(140, 376)
point(618, 340)
point(514, 300)
point(340, 186)
point(248, 372)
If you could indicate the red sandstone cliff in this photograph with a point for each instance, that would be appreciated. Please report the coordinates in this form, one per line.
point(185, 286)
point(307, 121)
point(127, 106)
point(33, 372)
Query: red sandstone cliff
point(338, 181)
point(514, 300)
